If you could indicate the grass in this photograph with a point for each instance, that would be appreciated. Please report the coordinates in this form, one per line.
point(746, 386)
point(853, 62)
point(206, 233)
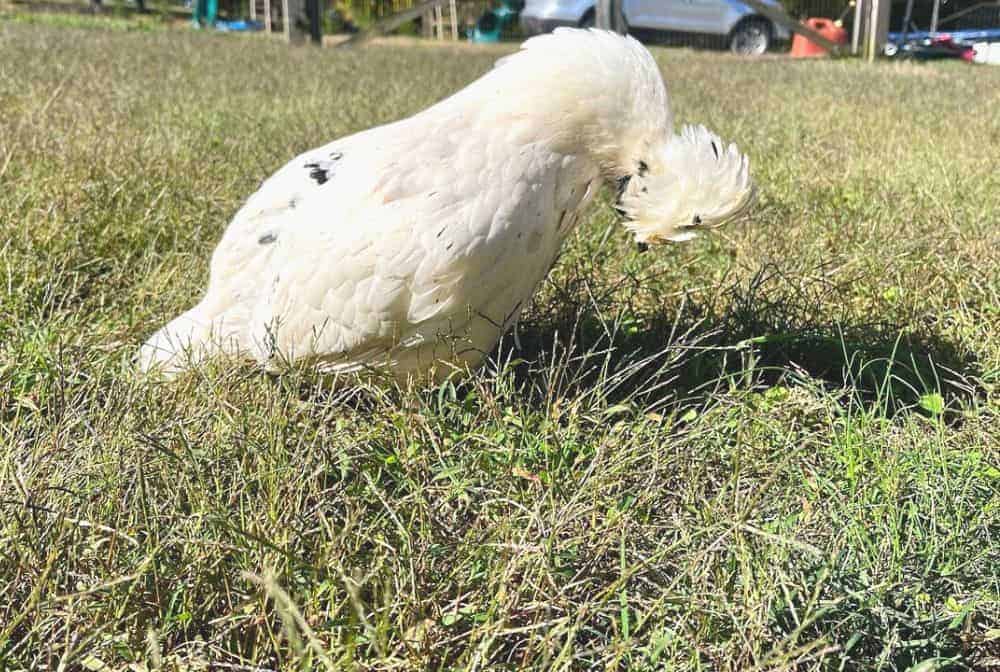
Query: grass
point(777, 447)
point(117, 16)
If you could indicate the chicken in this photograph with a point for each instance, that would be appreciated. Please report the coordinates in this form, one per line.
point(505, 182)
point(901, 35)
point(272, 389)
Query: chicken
point(412, 247)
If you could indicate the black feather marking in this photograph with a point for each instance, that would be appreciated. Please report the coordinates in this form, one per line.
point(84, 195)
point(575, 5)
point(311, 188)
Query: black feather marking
point(715, 149)
point(267, 239)
point(318, 173)
point(696, 221)
point(623, 185)
point(642, 247)
point(643, 168)
point(336, 156)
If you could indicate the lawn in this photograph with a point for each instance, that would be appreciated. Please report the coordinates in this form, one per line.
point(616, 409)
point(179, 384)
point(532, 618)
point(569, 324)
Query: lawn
point(775, 447)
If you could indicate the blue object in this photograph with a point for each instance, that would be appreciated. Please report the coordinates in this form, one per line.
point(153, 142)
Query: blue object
point(492, 23)
point(241, 26)
point(205, 12)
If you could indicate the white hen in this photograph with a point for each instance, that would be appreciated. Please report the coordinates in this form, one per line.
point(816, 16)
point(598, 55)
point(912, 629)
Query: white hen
point(414, 246)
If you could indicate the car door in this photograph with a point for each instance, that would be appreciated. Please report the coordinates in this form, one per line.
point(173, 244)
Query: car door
point(707, 16)
point(654, 14)
point(697, 16)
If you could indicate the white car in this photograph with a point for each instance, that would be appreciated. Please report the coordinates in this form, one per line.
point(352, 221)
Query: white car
point(745, 31)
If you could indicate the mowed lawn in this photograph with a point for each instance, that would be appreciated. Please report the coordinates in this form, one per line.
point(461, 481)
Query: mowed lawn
point(775, 447)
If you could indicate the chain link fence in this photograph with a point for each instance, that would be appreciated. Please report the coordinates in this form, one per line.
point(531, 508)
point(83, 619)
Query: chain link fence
point(703, 24)
point(708, 24)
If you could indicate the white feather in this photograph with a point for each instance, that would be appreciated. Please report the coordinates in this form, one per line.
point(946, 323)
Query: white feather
point(702, 182)
point(415, 245)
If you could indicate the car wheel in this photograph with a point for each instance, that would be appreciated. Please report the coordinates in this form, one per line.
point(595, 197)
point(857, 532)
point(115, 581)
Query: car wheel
point(751, 38)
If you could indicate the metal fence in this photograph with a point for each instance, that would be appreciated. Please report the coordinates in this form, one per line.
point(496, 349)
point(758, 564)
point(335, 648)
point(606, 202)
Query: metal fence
point(947, 15)
point(491, 20)
point(919, 16)
point(504, 20)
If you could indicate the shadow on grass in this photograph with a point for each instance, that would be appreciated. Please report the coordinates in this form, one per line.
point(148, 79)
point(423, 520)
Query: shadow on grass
point(757, 334)
point(866, 620)
point(587, 343)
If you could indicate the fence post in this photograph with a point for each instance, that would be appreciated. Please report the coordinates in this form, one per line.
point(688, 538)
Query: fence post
point(878, 28)
point(856, 29)
point(608, 16)
point(313, 13)
point(301, 20)
point(438, 22)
